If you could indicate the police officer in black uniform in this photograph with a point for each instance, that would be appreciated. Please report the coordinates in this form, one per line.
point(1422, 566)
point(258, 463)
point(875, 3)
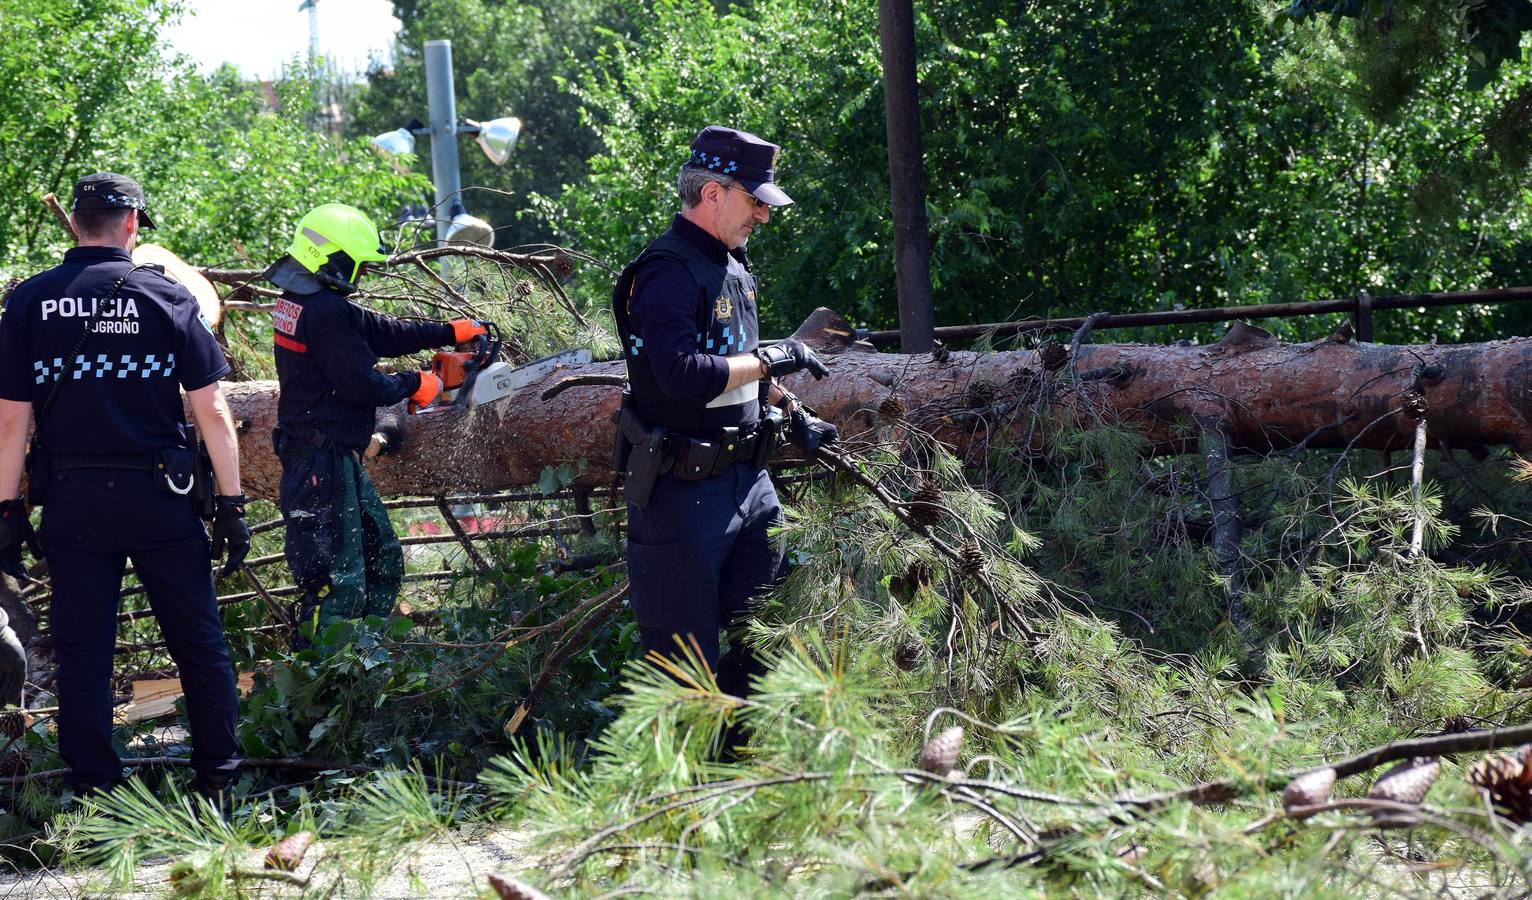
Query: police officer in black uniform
point(99, 350)
point(702, 416)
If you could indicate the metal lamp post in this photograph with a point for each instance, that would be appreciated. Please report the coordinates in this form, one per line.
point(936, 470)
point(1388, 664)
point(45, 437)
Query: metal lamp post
point(497, 138)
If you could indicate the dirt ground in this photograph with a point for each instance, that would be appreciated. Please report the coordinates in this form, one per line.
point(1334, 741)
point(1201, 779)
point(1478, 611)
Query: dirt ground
point(455, 867)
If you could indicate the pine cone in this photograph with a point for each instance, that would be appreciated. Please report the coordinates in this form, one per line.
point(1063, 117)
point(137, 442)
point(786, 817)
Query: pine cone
point(1407, 782)
point(524, 288)
point(1308, 789)
point(939, 352)
point(13, 724)
point(907, 656)
point(973, 559)
point(939, 755)
point(511, 889)
point(982, 392)
point(1053, 356)
point(14, 763)
point(891, 410)
point(926, 503)
point(287, 854)
point(1506, 778)
point(1415, 406)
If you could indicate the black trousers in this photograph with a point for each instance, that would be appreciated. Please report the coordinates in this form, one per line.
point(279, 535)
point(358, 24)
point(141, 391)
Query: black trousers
point(94, 521)
point(697, 555)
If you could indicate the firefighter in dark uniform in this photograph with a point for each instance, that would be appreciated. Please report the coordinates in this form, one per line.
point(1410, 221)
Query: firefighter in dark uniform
point(340, 544)
point(702, 416)
point(99, 351)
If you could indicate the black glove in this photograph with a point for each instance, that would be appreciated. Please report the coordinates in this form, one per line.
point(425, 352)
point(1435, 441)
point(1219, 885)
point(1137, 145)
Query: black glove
point(789, 356)
point(16, 529)
point(808, 432)
point(229, 525)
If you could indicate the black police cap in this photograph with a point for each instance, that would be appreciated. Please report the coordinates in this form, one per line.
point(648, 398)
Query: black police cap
point(108, 190)
point(742, 156)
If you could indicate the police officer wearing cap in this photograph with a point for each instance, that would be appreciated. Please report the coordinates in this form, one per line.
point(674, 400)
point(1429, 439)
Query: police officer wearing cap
point(98, 350)
point(702, 415)
point(340, 544)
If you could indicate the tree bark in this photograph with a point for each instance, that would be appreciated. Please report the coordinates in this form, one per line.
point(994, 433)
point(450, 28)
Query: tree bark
point(1268, 395)
point(906, 173)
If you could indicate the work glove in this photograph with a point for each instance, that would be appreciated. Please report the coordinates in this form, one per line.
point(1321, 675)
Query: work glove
point(465, 330)
point(807, 431)
point(426, 395)
point(16, 529)
point(229, 527)
point(789, 356)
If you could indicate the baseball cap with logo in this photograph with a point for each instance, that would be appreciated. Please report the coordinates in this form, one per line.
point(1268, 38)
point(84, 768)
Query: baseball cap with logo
point(742, 156)
point(108, 190)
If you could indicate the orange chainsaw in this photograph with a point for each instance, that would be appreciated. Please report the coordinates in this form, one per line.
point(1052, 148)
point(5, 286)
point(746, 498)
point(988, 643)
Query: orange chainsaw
point(459, 371)
point(478, 376)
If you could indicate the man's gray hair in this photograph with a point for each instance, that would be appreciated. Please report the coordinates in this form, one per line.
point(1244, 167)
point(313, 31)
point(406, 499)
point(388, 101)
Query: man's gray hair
point(689, 183)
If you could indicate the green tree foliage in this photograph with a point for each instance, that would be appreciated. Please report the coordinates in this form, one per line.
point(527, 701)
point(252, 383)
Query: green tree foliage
point(218, 168)
point(1118, 156)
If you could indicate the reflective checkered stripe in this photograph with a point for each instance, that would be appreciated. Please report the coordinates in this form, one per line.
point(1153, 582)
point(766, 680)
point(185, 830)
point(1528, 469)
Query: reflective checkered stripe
point(104, 365)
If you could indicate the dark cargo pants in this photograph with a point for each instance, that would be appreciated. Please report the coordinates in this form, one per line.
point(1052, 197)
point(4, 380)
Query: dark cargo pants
point(340, 544)
point(94, 521)
point(697, 555)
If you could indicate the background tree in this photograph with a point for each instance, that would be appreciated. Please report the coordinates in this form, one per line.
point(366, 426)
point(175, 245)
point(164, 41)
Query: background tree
point(221, 170)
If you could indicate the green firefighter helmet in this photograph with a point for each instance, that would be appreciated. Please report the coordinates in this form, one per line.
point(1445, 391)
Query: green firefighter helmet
point(332, 243)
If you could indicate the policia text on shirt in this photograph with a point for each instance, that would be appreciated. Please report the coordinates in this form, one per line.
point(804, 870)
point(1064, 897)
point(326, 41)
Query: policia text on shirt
point(98, 350)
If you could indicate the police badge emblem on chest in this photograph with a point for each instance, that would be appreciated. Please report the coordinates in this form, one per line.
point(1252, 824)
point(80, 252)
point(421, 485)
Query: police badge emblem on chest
point(723, 308)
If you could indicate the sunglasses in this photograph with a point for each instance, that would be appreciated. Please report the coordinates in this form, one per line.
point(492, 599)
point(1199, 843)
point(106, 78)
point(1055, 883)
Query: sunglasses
point(753, 198)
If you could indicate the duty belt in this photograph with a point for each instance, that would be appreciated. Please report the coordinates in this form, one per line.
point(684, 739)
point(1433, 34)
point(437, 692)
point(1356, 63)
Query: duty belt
point(643, 453)
point(695, 459)
point(62, 461)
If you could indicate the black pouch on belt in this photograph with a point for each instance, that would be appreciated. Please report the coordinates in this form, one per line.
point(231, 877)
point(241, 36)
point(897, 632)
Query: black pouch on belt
point(39, 470)
point(696, 459)
point(175, 471)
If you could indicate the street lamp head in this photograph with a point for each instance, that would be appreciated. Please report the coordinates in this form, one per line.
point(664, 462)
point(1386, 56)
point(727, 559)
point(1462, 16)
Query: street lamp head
point(466, 229)
point(397, 142)
point(497, 138)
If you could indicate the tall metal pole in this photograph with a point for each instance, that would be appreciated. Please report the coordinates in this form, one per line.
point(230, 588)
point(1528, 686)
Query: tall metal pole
point(906, 174)
point(441, 100)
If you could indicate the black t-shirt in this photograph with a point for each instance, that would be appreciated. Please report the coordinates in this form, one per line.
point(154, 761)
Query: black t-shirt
point(121, 392)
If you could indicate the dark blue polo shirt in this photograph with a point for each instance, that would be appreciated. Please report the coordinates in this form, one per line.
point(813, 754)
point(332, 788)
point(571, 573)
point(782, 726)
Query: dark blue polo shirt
point(121, 392)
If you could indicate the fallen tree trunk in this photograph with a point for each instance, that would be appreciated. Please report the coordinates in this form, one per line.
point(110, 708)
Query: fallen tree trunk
point(1267, 395)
